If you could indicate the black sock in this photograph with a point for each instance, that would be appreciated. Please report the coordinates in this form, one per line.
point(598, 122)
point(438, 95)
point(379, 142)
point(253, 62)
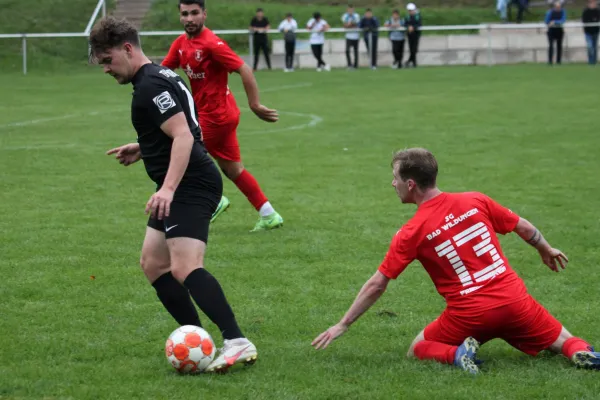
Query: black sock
point(209, 296)
point(176, 299)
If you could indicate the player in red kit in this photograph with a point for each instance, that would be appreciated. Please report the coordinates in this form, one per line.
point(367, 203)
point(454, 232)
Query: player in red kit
point(453, 235)
point(208, 60)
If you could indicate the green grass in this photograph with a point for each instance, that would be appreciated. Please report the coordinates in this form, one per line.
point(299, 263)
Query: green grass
point(70, 212)
point(53, 16)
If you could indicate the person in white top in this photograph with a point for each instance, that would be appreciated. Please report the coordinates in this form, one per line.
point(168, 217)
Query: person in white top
point(288, 27)
point(318, 26)
point(350, 20)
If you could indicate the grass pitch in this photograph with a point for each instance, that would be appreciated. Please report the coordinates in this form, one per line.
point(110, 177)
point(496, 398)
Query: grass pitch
point(525, 135)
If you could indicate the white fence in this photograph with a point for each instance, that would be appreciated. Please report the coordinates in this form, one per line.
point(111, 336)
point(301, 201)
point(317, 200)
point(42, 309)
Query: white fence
point(486, 40)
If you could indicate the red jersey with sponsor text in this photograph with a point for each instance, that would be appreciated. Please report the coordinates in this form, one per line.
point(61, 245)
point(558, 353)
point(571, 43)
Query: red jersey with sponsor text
point(207, 60)
point(454, 237)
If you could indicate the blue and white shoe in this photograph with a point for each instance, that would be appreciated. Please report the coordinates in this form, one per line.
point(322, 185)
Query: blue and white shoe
point(465, 356)
point(586, 359)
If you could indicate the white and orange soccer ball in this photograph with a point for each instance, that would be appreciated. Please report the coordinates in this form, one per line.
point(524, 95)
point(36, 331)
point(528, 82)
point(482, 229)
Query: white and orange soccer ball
point(190, 349)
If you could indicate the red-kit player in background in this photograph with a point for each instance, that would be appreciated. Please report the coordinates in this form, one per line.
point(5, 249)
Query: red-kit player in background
point(208, 60)
point(453, 235)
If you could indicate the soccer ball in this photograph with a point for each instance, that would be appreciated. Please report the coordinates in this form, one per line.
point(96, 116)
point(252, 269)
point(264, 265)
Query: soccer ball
point(190, 349)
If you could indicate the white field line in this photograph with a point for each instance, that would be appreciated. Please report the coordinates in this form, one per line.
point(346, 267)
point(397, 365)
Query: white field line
point(288, 87)
point(313, 118)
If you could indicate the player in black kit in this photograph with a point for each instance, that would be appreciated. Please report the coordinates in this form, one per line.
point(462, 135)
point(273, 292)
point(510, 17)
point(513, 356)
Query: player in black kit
point(189, 187)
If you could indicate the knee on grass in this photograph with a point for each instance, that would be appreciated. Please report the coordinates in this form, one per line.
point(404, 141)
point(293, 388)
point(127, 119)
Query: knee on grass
point(411, 350)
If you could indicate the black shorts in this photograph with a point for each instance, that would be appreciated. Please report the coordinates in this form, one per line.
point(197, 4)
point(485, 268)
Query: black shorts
point(186, 220)
point(194, 203)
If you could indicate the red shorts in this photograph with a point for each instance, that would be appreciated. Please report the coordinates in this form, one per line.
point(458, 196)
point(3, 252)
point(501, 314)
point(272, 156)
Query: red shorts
point(525, 325)
point(221, 139)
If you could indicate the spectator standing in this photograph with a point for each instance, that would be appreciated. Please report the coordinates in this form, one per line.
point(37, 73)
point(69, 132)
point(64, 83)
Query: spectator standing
point(555, 19)
point(288, 27)
point(413, 24)
point(591, 15)
point(522, 5)
point(318, 26)
point(370, 27)
point(260, 26)
point(502, 9)
point(395, 24)
point(351, 19)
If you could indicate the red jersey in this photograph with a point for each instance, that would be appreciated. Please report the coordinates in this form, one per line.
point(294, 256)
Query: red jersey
point(207, 61)
point(454, 237)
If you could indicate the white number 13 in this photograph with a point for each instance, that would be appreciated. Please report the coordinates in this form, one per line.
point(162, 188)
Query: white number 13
point(448, 249)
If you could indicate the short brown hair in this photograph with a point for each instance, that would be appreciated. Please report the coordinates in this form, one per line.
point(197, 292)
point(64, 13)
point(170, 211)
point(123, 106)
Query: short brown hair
point(417, 164)
point(110, 32)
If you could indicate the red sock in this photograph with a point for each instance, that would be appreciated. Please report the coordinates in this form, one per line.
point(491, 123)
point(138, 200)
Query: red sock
point(573, 345)
point(249, 186)
point(440, 352)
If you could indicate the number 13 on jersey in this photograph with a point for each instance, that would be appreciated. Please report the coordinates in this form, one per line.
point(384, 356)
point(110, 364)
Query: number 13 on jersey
point(479, 238)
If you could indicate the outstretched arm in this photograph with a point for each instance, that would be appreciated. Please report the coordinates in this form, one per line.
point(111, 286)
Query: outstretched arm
point(550, 256)
point(368, 295)
point(251, 88)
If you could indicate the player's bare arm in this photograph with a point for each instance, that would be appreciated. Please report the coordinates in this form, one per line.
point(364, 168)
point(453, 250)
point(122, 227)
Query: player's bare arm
point(176, 128)
point(126, 154)
point(368, 295)
point(550, 256)
point(251, 88)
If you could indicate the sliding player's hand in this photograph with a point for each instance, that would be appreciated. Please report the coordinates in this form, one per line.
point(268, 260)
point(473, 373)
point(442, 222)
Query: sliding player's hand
point(127, 154)
point(554, 258)
point(325, 338)
point(264, 113)
point(159, 205)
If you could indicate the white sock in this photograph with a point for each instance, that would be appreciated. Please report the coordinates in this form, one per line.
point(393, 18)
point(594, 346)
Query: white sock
point(266, 210)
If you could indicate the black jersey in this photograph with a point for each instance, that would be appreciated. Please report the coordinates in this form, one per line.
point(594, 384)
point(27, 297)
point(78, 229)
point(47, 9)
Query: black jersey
point(158, 94)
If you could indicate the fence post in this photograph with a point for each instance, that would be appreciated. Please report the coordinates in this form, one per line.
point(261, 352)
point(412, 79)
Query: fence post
point(24, 43)
point(489, 45)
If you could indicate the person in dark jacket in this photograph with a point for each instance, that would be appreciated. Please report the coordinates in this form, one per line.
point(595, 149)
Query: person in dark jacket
point(370, 27)
point(555, 19)
point(260, 26)
point(591, 15)
point(522, 6)
point(413, 23)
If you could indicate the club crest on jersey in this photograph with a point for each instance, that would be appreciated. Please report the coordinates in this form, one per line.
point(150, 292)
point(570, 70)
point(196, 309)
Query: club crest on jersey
point(198, 55)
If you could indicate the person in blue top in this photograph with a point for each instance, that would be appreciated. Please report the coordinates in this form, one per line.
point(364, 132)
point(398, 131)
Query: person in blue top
point(351, 20)
point(397, 37)
point(555, 19)
point(370, 27)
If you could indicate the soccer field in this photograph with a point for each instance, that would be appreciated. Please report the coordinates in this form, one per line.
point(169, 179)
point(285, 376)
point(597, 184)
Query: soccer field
point(79, 320)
